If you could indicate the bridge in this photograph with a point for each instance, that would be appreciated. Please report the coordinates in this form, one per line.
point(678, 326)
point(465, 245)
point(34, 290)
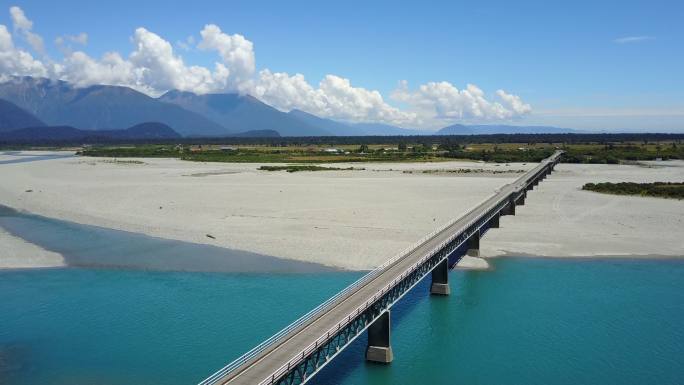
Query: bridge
point(295, 354)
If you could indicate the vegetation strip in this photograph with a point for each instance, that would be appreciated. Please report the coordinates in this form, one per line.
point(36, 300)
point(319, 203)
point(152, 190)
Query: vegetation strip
point(295, 168)
point(599, 149)
point(657, 189)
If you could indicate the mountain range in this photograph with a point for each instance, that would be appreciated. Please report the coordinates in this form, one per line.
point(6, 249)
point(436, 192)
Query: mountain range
point(142, 131)
point(11, 117)
point(27, 102)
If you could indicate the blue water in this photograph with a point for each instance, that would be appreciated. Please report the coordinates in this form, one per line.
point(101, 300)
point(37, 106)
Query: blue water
point(84, 327)
point(25, 158)
point(528, 321)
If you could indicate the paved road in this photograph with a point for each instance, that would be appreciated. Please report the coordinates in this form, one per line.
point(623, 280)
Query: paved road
point(271, 359)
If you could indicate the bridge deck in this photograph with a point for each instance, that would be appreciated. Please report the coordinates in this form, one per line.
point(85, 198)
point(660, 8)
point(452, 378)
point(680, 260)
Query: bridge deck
point(271, 359)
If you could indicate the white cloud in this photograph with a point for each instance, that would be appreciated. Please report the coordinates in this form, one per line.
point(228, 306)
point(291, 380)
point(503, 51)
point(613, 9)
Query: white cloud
point(17, 62)
point(64, 42)
point(435, 101)
point(82, 70)
point(153, 67)
point(236, 51)
point(633, 39)
point(23, 25)
point(158, 68)
point(514, 103)
point(335, 97)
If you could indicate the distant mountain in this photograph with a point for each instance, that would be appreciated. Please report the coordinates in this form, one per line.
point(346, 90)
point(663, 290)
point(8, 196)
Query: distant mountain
point(143, 131)
point(12, 117)
point(242, 113)
point(58, 103)
point(149, 130)
point(34, 102)
point(332, 126)
point(456, 129)
point(483, 129)
point(257, 134)
point(379, 129)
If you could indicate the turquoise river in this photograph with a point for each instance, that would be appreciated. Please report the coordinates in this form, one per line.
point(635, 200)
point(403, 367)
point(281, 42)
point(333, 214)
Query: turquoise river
point(113, 318)
point(527, 321)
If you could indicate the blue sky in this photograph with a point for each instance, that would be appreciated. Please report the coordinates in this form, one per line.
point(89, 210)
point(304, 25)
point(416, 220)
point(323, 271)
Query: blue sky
point(593, 65)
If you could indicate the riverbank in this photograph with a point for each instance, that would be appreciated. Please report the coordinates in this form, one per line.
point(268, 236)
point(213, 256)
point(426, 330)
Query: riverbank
point(559, 219)
point(351, 219)
point(19, 254)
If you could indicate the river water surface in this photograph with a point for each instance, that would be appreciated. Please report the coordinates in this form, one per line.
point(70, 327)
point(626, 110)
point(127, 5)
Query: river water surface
point(528, 321)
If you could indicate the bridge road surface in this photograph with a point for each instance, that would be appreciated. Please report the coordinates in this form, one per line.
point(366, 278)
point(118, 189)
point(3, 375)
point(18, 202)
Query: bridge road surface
point(271, 359)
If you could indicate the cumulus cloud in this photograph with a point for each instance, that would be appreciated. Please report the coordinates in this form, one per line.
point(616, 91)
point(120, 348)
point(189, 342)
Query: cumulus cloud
point(335, 97)
point(157, 67)
point(24, 26)
point(64, 43)
point(82, 70)
point(443, 101)
point(514, 103)
point(236, 51)
point(154, 67)
point(15, 61)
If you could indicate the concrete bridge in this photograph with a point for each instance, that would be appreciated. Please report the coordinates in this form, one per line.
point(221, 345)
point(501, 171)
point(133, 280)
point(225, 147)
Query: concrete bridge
point(295, 354)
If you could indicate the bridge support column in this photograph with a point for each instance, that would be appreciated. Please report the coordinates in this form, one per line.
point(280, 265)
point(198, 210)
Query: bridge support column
point(474, 245)
point(521, 200)
point(440, 279)
point(494, 222)
point(510, 209)
point(379, 348)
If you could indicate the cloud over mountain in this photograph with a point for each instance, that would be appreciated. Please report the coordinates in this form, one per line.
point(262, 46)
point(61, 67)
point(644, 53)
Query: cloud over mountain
point(443, 101)
point(153, 67)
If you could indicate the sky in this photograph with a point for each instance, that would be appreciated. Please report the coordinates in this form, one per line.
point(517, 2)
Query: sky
point(595, 65)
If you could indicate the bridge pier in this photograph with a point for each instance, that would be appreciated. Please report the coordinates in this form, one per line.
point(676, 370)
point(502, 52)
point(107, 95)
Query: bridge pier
point(510, 208)
point(521, 199)
point(440, 279)
point(379, 348)
point(494, 222)
point(474, 244)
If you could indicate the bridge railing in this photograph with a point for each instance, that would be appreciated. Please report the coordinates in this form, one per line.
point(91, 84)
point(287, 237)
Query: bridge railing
point(319, 310)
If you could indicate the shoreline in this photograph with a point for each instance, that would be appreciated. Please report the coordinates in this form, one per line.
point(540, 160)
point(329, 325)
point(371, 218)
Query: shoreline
point(34, 256)
point(353, 221)
point(587, 257)
point(87, 246)
point(18, 253)
point(350, 221)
